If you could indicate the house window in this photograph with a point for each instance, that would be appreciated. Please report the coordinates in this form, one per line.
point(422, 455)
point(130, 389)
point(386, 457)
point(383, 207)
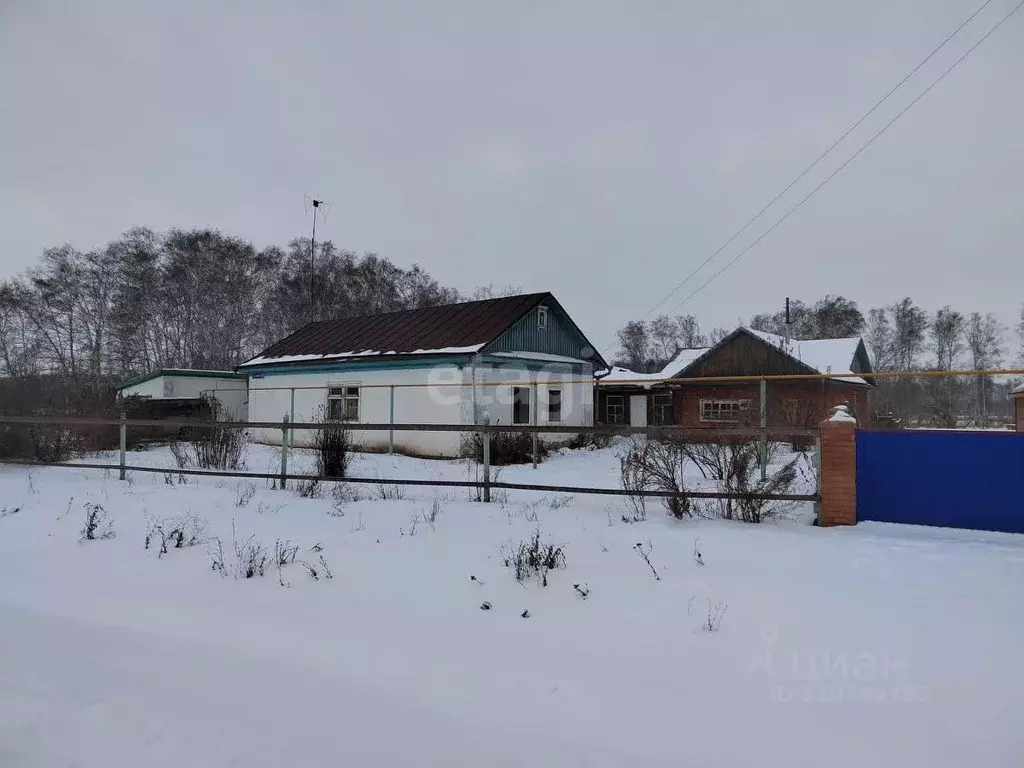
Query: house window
point(343, 404)
point(542, 318)
point(520, 405)
point(554, 406)
point(661, 408)
point(723, 411)
point(615, 409)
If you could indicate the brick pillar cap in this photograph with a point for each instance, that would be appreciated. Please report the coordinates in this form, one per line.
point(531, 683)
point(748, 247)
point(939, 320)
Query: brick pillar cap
point(840, 418)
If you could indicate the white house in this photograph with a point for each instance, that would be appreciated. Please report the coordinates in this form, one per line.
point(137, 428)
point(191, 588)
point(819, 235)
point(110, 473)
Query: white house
point(180, 386)
point(517, 360)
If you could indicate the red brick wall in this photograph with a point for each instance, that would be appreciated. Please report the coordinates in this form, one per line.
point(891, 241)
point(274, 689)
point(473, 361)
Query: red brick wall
point(838, 474)
point(790, 403)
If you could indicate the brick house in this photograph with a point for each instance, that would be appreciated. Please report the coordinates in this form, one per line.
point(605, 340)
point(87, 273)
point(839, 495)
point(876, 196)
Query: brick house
point(639, 399)
point(1018, 407)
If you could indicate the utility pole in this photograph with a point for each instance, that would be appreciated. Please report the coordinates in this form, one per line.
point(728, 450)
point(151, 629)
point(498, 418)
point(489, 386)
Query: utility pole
point(312, 252)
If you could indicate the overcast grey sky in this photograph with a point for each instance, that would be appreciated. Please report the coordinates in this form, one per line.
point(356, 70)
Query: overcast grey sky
point(598, 150)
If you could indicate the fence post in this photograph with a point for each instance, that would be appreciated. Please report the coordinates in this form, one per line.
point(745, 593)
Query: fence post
point(487, 458)
point(533, 421)
point(284, 451)
point(291, 430)
point(123, 442)
point(817, 474)
point(391, 420)
point(762, 447)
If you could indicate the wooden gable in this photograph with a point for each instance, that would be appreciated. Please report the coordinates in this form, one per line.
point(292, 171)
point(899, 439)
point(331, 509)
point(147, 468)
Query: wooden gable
point(745, 355)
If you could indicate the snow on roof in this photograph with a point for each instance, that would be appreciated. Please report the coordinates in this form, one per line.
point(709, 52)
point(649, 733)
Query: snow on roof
point(678, 363)
point(823, 355)
point(363, 353)
point(1018, 390)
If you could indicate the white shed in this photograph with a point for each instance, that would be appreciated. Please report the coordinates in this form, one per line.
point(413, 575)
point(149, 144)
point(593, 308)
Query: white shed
point(180, 385)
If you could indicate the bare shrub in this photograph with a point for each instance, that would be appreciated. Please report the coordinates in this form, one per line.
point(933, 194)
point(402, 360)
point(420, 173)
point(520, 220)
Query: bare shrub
point(506, 448)
point(212, 445)
point(98, 524)
point(187, 530)
point(332, 446)
point(390, 491)
point(436, 508)
point(533, 557)
point(713, 620)
point(654, 465)
point(308, 488)
point(589, 441)
point(734, 468)
point(244, 493)
point(645, 554)
point(8, 511)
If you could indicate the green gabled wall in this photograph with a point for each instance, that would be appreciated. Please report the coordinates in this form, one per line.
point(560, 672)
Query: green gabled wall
point(560, 338)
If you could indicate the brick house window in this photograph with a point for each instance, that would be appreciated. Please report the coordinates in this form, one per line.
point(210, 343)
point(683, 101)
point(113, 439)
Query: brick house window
point(554, 406)
point(723, 411)
point(520, 405)
point(661, 408)
point(343, 404)
point(615, 409)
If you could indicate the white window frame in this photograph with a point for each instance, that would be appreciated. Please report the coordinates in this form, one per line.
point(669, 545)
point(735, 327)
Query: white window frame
point(558, 415)
point(621, 404)
point(529, 405)
point(735, 410)
point(542, 318)
point(345, 393)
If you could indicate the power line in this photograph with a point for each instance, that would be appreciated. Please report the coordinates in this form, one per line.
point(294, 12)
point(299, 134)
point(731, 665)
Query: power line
point(853, 157)
point(818, 159)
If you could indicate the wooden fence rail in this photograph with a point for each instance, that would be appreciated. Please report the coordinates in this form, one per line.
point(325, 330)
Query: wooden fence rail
point(485, 430)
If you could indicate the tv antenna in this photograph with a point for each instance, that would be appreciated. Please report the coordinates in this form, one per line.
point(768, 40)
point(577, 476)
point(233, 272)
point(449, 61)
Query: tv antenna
point(316, 205)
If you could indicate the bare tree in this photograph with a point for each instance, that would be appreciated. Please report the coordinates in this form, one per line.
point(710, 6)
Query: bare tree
point(947, 331)
point(634, 345)
point(985, 347)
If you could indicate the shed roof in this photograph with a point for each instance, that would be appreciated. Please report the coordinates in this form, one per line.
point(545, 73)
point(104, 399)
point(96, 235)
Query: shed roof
point(450, 329)
point(199, 374)
point(1018, 390)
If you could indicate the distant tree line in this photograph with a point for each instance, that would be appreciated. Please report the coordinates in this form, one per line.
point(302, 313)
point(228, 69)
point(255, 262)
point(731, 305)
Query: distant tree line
point(899, 337)
point(186, 299)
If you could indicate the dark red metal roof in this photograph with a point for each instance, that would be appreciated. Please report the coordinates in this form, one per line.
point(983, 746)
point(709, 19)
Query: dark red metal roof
point(447, 327)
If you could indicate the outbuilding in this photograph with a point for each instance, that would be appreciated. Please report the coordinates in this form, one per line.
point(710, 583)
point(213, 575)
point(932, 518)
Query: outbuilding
point(179, 391)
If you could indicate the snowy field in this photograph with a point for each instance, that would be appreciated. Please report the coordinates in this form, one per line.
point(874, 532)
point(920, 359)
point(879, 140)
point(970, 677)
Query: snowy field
point(870, 646)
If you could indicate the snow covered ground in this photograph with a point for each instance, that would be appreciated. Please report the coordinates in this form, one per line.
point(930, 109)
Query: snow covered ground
point(876, 645)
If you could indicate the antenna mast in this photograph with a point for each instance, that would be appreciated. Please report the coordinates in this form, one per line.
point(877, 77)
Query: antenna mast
point(312, 252)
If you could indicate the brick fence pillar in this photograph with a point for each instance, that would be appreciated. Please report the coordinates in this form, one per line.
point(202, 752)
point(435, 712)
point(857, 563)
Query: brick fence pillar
point(838, 469)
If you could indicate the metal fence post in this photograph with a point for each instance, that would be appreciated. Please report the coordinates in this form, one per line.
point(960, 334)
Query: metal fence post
point(284, 451)
point(391, 419)
point(487, 458)
point(763, 445)
point(533, 421)
point(123, 443)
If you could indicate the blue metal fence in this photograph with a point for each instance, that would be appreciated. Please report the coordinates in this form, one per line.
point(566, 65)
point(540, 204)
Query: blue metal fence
point(953, 479)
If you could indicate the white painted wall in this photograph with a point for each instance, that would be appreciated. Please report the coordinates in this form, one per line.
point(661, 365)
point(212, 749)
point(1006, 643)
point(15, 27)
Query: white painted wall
point(154, 388)
point(448, 400)
point(413, 405)
point(495, 397)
